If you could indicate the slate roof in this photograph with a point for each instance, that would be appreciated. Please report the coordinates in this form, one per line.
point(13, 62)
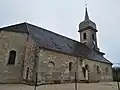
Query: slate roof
point(56, 42)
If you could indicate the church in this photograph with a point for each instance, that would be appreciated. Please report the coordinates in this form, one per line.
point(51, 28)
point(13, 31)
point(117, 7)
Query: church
point(27, 51)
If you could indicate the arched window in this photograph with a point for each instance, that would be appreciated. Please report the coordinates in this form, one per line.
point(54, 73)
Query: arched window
point(98, 70)
point(70, 66)
point(83, 69)
point(51, 64)
point(27, 73)
point(84, 36)
point(93, 37)
point(12, 56)
point(106, 71)
point(81, 62)
point(86, 67)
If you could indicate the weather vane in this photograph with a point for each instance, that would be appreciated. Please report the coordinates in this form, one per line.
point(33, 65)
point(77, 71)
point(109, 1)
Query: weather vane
point(86, 3)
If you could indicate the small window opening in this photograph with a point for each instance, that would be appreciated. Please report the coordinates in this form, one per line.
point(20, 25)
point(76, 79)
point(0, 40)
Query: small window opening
point(106, 71)
point(81, 62)
point(84, 71)
point(70, 66)
point(86, 67)
point(51, 64)
point(27, 72)
point(84, 36)
point(93, 37)
point(12, 56)
point(98, 70)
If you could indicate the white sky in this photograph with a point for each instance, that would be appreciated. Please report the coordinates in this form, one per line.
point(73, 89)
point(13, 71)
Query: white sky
point(64, 16)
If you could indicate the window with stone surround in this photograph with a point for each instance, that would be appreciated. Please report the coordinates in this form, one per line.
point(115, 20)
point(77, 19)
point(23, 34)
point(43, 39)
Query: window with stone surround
point(98, 70)
point(82, 62)
point(86, 67)
point(51, 64)
point(70, 66)
point(27, 73)
point(106, 71)
point(93, 37)
point(12, 56)
point(84, 36)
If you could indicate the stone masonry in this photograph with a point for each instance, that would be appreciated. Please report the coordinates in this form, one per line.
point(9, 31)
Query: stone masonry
point(60, 69)
point(52, 67)
point(11, 41)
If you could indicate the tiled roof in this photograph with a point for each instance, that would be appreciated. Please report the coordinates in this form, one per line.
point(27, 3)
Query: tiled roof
point(56, 42)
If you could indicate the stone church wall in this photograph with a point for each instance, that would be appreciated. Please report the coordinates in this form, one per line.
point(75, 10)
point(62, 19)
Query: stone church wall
point(11, 41)
point(103, 74)
point(53, 67)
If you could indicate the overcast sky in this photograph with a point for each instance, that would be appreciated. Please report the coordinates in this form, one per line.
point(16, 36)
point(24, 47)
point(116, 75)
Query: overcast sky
point(64, 16)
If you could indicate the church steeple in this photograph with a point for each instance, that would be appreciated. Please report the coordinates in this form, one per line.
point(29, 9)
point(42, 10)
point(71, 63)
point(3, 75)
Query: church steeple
point(86, 15)
point(87, 30)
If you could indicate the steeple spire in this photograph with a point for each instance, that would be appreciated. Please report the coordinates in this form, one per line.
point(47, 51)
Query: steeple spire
point(86, 15)
point(87, 29)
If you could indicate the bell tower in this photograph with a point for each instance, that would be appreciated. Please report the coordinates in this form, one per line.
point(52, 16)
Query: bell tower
point(87, 30)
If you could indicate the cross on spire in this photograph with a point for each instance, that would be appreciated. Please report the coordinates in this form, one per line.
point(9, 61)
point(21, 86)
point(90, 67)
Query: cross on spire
point(86, 4)
point(86, 13)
